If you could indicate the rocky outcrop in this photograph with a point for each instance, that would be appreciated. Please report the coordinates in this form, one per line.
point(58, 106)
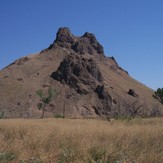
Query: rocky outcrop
point(80, 73)
point(86, 44)
point(83, 75)
point(131, 92)
point(105, 99)
point(64, 38)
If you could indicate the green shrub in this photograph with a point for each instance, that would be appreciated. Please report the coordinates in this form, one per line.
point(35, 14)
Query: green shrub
point(58, 116)
point(2, 114)
point(45, 99)
point(97, 154)
point(7, 157)
point(159, 95)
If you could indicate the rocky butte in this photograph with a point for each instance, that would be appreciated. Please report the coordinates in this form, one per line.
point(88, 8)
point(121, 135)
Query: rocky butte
point(88, 83)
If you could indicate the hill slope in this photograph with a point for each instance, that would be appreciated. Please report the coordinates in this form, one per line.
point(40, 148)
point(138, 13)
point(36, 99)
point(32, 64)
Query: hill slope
point(88, 83)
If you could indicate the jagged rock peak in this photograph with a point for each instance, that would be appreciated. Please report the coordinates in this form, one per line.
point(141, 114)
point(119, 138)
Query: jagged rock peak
point(64, 35)
point(93, 41)
point(90, 36)
point(81, 45)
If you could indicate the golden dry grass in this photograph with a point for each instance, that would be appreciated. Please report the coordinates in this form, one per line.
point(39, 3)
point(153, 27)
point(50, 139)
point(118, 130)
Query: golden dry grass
point(79, 140)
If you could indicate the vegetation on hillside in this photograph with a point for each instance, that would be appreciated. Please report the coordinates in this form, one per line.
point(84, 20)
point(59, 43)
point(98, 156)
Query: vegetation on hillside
point(45, 99)
point(159, 94)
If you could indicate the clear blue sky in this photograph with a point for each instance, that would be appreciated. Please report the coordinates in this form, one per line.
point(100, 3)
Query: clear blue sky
point(129, 30)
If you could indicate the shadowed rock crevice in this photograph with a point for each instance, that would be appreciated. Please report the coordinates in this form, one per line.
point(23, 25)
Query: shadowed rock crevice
point(105, 99)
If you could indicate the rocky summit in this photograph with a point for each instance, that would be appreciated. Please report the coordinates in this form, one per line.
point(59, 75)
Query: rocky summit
point(88, 84)
point(81, 45)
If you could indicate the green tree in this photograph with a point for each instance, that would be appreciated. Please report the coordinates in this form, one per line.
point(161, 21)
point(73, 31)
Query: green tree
point(45, 99)
point(159, 94)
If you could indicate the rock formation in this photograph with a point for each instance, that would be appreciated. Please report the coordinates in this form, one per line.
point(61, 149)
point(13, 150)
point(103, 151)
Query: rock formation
point(88, 83)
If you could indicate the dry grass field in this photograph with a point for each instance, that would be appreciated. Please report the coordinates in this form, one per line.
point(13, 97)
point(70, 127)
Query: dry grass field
point(81, 141)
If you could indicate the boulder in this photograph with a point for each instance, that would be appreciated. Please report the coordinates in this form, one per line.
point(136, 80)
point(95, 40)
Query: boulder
point(132, 93)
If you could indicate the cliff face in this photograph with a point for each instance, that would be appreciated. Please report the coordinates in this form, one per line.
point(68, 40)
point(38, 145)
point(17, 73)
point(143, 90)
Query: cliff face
point(87, 82)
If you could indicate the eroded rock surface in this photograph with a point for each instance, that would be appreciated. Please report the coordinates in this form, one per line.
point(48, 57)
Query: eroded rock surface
point(83, 75)
point(81, 45)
